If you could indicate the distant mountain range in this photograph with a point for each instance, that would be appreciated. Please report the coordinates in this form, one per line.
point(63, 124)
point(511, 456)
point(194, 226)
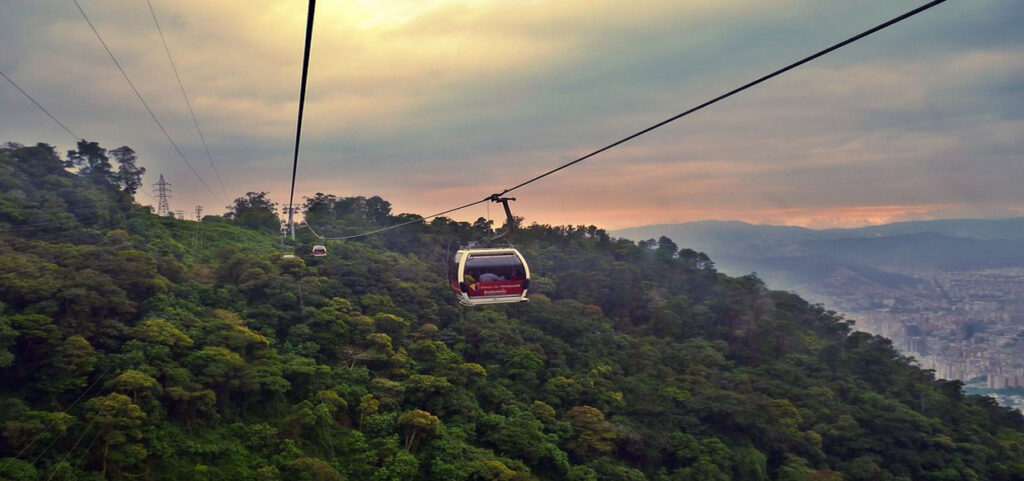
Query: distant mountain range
point(892, 255)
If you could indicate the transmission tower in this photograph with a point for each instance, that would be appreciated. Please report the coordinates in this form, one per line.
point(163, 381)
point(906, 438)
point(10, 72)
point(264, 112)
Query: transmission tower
point(163, 193)
point(179, 214)
point(199, 220)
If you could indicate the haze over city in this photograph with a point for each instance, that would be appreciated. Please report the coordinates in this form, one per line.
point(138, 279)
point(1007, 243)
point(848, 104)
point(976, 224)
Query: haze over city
point(433, 104)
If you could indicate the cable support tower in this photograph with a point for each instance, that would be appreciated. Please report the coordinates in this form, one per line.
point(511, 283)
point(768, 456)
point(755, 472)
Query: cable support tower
point(144, 103)
point(37, 104)
point(496, 197)
point(184, 95)
point(163, 192)
point(199, 222)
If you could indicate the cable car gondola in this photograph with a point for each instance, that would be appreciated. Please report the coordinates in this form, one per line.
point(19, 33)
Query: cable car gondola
point(319, 251)
point(489, 276)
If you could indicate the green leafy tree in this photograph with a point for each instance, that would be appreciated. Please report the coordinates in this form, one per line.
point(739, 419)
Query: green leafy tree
point(593, 435)
point(74, 360)
point(312, 469)
point(255, 211)
point(118, 423)
point(129, 175)
point(92, 162)
point(134, 383)
point(418, 423)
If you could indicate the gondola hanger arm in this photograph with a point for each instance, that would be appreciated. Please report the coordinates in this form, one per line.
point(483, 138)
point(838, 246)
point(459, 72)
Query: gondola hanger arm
point(510, 222)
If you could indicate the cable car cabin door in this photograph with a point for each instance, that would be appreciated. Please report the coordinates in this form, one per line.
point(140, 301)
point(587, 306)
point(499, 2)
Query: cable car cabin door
point(489, 276)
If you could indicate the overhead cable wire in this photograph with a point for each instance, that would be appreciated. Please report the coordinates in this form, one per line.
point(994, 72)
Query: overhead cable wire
point(403, 224)
point(68, 454)
point(47, 112)
point(72, 405)
point(494, 197)
point(144, 104)
point(61, 124)
point(85, 450)
point(302, 104)
point(730, 93)
point(188, 103)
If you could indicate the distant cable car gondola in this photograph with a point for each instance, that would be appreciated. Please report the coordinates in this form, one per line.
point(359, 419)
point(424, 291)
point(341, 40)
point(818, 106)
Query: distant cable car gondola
point(319, 251)
point(489, 276)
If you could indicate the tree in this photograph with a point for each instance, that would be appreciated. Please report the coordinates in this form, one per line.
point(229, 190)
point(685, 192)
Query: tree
point(92, 162)
point(666, 248)
point(129, 175)
point(312, 469)
point(255, 211)
point(118, 422)
point(74, 359)
point(319, 209)
point(134, 382)
point(594, 435)
point(418, 423)
point(7, 336)
point(159, 331)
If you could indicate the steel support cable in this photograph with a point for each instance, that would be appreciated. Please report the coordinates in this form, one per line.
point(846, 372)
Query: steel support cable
point(47, 112)
point(65, 411)
point(68, 454)
point(144, 104)
point(188, 103)
point(673, 118)
point(403, 224)
point(731, 92)
point(85, 450)
point(302, 104)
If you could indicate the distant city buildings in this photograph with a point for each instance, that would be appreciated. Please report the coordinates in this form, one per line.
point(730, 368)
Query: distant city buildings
point(967, 326)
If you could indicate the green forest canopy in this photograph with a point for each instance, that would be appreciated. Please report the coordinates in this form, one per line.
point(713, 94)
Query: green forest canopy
point(134, 346)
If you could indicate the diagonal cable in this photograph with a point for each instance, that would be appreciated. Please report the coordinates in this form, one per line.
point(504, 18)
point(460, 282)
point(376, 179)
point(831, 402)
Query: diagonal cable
point(731, 93)
point(68, 454)
point(47, 112)
point(144, 104)
point(302, 104)
point(669, 120)
point(403, 224)
point(188, 103)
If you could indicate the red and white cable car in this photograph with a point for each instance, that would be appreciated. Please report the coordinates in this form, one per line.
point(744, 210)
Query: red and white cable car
point(489, 276)
point(319, 251)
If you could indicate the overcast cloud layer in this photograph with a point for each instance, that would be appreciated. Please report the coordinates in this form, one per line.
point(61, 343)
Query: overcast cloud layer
point(433, 104)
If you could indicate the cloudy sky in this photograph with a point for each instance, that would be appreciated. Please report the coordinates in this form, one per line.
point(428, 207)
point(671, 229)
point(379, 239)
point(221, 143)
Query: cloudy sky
point(432, 104)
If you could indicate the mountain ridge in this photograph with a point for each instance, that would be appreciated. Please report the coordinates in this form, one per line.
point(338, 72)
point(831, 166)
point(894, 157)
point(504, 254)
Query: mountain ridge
point(197, 350)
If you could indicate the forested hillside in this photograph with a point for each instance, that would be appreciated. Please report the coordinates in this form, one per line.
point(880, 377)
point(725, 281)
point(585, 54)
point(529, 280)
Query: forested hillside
point(139, 347)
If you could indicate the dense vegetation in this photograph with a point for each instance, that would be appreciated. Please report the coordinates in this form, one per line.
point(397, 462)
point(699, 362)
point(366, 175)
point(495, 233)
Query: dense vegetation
point(139, 347)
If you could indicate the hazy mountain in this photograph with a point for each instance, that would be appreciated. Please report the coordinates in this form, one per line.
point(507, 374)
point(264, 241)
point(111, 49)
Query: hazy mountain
point(890, 254)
